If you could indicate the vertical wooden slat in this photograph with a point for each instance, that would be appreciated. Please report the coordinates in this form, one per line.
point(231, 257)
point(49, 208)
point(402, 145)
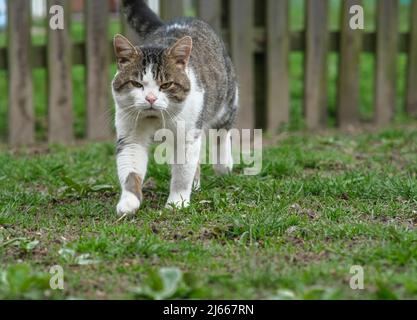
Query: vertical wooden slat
point(172, 9)
point(386, 53)
point(210, 11)
point(241, 44)
point(278, 42)
point(97, 57)
point(21, 113)
point(315, 94)
point(60, 114)
point(411, 102)
point(348, 86)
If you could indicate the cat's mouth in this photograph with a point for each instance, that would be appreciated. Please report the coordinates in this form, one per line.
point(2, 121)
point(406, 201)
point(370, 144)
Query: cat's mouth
point(151, 114)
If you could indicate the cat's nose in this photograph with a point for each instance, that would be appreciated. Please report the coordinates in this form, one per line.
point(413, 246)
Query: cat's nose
point(151, 98)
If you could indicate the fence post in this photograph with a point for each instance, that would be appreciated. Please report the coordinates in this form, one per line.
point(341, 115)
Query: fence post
point(60, 114)
point(97, 57)
point(21, 114)
point(411, 103)
point(278, 44)
point(211, 12)
point(241, 45)
point(348, 86)
point(315, 91)
point(386, 61)
point(171, 9)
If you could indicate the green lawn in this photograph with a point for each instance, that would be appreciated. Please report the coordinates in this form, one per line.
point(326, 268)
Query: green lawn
point(321, 205)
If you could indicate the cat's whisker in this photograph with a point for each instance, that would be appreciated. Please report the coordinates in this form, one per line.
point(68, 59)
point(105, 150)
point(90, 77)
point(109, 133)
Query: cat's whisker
point(109, 115)
point(163, 119)
point(170, 116)
point(127, 115)
point(137, 118)
point(124, 110)
point(177, 114)
point(128, 107)
point(128, 110)
point(175, 117)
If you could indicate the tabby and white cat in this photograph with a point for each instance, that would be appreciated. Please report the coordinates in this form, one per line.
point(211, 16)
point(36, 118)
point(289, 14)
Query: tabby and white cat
point(181, 72)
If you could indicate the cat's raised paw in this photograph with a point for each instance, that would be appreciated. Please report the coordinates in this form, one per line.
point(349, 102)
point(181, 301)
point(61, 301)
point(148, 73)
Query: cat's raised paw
point(128, 204)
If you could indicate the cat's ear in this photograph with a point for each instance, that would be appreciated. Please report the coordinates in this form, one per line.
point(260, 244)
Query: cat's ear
point(124, 50)
point(180, 52)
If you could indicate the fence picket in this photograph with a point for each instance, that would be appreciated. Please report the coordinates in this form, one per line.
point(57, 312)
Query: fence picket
point(411, 102)
point(386, 61)
point(60, 114)
point(315, 91)
point(21, 118)
point(210, 11)
point(348, 86)
point(241, 32)
point(172, 9)
point(97, 57)
point(278, 44)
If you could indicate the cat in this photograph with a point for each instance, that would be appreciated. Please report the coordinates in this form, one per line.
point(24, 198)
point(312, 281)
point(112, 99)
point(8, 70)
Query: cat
point(180, 72)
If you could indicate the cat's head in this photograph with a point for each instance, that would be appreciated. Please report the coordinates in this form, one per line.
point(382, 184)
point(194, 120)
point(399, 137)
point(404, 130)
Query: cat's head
point(151, 79)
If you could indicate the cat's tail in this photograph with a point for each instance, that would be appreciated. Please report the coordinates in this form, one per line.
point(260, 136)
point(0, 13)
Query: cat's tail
point(140, 17)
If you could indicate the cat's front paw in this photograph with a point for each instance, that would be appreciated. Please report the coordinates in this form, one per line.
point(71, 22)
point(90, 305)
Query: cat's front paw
point(177, 202)
point(128, 204)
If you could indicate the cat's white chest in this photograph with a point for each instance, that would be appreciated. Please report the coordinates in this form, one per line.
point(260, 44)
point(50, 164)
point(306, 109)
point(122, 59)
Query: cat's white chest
point(193, 105)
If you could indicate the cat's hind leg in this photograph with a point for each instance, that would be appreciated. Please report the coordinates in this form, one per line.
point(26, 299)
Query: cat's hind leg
point(224, 158)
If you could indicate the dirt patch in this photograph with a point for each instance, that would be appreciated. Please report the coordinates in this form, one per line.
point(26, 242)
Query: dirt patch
point(74, 199)
point(305, 212)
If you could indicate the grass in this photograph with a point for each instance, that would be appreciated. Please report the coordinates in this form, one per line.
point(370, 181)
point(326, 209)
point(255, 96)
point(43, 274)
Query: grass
point(320, 205)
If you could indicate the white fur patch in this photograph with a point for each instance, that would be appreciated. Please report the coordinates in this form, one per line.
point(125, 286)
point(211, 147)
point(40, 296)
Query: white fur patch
point(193, 104)
point(176, 26)
point(128, 204)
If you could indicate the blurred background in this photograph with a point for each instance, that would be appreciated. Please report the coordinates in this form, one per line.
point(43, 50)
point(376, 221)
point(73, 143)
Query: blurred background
point(299, 64)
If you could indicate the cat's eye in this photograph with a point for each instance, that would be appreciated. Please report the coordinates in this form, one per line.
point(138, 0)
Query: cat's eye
point(166, 86)
point(136, 84)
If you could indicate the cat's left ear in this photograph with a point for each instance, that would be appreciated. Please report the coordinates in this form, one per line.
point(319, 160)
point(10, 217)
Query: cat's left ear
point(180, 52)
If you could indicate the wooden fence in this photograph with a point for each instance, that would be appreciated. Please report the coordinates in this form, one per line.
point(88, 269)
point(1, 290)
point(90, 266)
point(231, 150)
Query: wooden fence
point(235, 20)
